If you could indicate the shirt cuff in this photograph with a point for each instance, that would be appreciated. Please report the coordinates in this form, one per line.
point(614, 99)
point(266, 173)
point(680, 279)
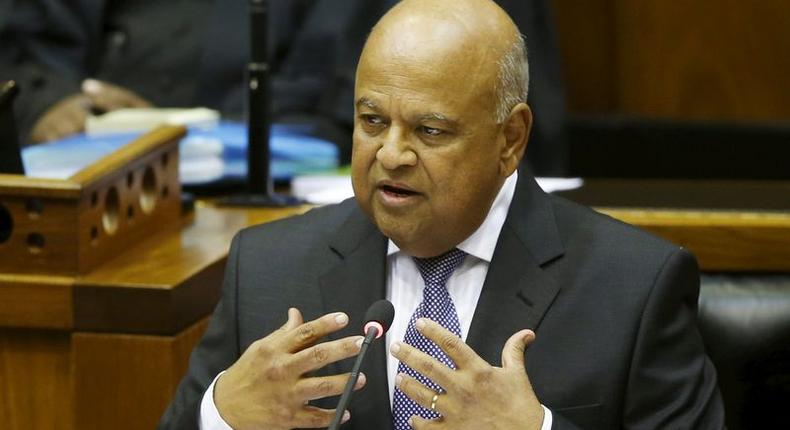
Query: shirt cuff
point(209, 415)
point(548, 419)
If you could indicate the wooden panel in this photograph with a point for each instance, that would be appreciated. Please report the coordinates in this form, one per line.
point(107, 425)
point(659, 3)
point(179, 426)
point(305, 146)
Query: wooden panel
point(147, 196)
point(587, 43)
point(722, 241)
point(130, 193)
point(704, 59)
point(19, 184)
point(127, 381)
point(50, 224)
point(36, 301)
point(169, 281)
point(35, 375)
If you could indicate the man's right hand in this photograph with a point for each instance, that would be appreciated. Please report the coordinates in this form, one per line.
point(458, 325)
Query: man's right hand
point(267, 386)
point(68, 116)
point(64, 118)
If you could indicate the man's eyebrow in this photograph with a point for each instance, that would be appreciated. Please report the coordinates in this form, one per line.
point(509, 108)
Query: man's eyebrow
point(436, 116)
point(366, 102)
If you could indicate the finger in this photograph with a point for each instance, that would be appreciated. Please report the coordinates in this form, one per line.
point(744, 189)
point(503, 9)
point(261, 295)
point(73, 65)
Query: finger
point(111, 97)
point(295, 319)
point(513, 351)
point(65, 117)
point(76, 115)
point(419, 423)
point(63, 127)
point(309, 333)
point(326, 386)
point(318, 356)
point(461, 354)
point(418, 392)
point(313, 417)
point(424, 363)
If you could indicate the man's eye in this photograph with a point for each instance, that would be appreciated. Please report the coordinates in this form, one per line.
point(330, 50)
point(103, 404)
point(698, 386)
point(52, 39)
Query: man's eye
point(372, 120)
point(430, 131)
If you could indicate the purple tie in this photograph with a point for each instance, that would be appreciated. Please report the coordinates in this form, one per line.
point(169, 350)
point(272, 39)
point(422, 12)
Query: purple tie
point(438, 306)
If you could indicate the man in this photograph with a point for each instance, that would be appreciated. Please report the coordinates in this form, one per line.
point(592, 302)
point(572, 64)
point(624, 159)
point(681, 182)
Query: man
point(540, 313)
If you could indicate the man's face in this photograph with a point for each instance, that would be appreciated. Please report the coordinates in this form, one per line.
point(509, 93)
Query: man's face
point(426, 164)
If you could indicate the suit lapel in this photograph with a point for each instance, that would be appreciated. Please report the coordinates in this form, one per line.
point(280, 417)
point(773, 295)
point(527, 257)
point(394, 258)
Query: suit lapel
point(352, 285)
point(517, 292)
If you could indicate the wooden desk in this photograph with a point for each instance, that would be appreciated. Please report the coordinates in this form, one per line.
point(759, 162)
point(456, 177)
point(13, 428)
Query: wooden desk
point(106, 350)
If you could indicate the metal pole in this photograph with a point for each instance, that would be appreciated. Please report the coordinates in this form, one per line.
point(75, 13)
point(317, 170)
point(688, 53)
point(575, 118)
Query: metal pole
point(259, 180)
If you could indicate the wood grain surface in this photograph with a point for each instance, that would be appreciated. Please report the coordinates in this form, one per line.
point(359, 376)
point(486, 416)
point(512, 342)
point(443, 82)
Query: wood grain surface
point(69, 227)
point(35, 380)
point(127, 381)
point(697, 60)
point(722, 241)
point(41, 302)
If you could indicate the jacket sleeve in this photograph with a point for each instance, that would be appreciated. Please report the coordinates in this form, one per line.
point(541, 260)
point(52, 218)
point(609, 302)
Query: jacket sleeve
point(217, 350)
point(672, 382)
point(47, 47)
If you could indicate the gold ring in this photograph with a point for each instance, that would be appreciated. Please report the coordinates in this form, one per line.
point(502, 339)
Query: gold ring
point(433, 401)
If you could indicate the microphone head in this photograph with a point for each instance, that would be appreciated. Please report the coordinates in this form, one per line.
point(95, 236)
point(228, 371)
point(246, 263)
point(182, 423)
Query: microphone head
point(379, 315)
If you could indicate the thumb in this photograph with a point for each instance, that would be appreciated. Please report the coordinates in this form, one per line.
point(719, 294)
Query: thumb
point(109, 97)
point(295, 319)
point(513, 351)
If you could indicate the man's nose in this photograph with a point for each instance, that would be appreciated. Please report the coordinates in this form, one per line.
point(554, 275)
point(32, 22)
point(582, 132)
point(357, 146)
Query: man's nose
point(396, 150)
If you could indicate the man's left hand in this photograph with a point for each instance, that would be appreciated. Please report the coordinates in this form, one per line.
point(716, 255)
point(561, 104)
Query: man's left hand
point(477, 395)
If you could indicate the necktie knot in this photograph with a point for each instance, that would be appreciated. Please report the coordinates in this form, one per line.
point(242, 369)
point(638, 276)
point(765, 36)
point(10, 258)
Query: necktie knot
point(436, 271)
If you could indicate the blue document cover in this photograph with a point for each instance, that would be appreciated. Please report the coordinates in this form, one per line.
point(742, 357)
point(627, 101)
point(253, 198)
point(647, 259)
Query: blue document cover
point(207, 155)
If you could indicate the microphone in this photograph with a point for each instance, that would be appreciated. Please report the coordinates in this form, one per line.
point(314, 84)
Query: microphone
point(378, 319)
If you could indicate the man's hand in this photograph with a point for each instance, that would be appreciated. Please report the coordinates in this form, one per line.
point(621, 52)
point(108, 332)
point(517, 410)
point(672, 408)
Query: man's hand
point(68, 116)
point(266, 387)
point(64, 118)
point(478, 396)
point(106, 97)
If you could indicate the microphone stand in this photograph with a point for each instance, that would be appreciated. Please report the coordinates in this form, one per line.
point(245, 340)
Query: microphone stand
point(345, 398)
point(260, 189)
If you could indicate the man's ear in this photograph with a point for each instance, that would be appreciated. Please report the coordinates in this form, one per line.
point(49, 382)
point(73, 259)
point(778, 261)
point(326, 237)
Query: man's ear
point(516, 132)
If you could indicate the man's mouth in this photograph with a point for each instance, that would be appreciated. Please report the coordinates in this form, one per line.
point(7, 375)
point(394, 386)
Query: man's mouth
point(397, 191)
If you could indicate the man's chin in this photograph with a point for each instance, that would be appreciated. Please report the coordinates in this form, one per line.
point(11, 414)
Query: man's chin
point(398, 229)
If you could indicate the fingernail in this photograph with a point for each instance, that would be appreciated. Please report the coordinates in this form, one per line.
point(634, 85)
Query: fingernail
point(398, 379)
point(420, 324)
point(361, 380)
point(91, 86)
point(346, 416)
point(411, 422)
point(395, 348)
point(341, 318)
point(359, 341)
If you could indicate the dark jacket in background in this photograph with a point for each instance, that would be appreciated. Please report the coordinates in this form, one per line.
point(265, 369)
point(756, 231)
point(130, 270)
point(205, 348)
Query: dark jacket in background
point(194, 52)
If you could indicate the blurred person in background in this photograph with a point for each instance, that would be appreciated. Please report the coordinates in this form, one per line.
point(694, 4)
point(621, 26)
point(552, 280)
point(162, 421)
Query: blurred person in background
point(73, 58)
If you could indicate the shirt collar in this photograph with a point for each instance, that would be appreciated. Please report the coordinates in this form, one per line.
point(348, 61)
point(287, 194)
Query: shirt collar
point(482, 242)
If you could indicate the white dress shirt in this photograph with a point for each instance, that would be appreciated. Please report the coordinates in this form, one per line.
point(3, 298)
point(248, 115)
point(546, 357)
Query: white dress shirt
point(405, 286)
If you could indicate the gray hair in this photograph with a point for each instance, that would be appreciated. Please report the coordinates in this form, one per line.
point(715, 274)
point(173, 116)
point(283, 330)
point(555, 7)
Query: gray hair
point(512, 86)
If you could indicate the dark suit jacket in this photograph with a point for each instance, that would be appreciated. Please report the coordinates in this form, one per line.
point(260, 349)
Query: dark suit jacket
point(613, 309)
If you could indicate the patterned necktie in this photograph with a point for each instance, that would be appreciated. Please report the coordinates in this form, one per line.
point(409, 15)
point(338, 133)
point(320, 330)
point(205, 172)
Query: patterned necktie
point(438, 306)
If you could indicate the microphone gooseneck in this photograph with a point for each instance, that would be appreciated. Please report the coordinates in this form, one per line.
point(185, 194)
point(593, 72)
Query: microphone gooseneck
point(378, 319)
